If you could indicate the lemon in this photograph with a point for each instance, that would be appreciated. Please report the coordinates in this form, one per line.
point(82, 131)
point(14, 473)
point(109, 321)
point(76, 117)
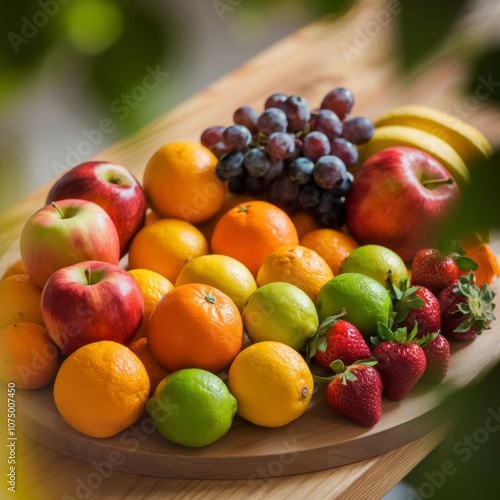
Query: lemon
point(192, 407)
point(364, 299)
point(220, 271)
point(377, 262)
point(271, 382)
point(280, 312)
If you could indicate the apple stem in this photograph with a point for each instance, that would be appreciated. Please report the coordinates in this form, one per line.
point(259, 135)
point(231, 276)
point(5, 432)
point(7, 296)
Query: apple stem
point(53, 203)
point(432, 183)
point(88, 273)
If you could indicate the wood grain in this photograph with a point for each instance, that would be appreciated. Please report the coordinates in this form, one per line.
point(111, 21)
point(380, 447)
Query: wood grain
point(309, 62)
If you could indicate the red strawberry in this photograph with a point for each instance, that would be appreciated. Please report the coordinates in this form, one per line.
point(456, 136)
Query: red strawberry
point(437, 355)
point(356, 392)
point(437, 268)
point(401, 360)
point(416, 305)
point(466, 309)
point(337, 339)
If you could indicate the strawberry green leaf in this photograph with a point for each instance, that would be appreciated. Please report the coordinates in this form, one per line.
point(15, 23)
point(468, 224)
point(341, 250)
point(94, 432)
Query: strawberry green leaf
point(465, 263)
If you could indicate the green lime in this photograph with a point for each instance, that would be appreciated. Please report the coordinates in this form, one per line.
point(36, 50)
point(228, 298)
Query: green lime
point(192, 407)
point(280, 312)
point(364, 299)
point(377, 262)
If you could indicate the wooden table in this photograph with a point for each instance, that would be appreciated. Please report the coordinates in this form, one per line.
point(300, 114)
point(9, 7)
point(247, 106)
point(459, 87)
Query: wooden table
point(310, 62)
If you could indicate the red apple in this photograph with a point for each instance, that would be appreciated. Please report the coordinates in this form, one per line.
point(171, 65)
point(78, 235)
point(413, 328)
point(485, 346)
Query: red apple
point(64, 233)
point(113, 188)
point(91, 301)
point(400, 198)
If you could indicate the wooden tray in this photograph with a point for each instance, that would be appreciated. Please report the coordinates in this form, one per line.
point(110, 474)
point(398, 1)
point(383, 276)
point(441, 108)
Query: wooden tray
point(318, 440)
point(309, 63)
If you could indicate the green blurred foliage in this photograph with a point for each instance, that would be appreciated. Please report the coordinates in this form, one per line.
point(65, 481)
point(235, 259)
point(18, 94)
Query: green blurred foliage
point(112, 43)
point(423, 26)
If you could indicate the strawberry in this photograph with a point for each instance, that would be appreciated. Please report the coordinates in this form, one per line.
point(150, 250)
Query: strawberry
point(416, 305)
point(466, 309)
point(337, 339)
point(437, 268)
point(356, 391)
point(437, 355)
point(401, 360)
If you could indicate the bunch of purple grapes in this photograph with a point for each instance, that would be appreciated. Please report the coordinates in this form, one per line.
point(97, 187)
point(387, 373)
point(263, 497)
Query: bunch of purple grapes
point(291, 155)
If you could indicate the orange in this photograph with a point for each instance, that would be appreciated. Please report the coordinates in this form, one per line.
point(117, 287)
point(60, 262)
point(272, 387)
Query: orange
point(195, 326)
point(165, 246)
point(153, 286)
point(156, 372)
point(20, 300)
point(297, 265)
point(180, 182)
point(151, 216)
point(29, 357)
point(333, 245)
point(101, 388)
point(16, 267)
point(271, 383)
point(487, 264)
point(231, 200)
point(251, 231)
point(304, 222)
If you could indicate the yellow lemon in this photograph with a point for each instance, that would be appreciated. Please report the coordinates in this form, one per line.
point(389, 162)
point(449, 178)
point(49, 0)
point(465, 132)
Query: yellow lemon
point(220, 271)
point(271, 383)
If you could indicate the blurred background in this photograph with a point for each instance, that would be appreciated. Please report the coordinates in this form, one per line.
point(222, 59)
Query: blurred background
point(78, 75)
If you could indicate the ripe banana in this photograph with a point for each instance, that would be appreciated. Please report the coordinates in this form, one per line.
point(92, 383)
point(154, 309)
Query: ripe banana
point(467, 140)
point(398, 135)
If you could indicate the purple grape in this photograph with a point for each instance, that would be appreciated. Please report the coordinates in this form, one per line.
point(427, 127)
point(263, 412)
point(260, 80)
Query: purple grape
point(309, 195)
point(275, 170)
point(340, 101)
point(330, 211)
point(297, 112)
point(345, 150)
point(211, 136)
point(280, 145)
point(297, 152)
point(358, 130)
point(246, 116)
point(326, 121)
point(315, 145)
point(256, 186)
point(272, 120)
point(219, 149)
point(230, 165)
point(342, 190)
point(329, 172)
point(283, 191)
point(237, 185)
point(237, 137)
point(275, 101)
point(257, 162)
point(300, 170)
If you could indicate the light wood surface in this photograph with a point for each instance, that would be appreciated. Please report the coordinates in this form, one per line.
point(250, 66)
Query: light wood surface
point(310, 62)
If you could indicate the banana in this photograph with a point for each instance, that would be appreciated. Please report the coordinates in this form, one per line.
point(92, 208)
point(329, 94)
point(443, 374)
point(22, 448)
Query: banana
point(467, 140)
point(398, 135)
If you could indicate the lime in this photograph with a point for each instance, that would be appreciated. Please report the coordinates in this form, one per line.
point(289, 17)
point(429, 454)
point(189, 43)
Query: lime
point(364, 299)
point(192, 407)
point(280, 312)
point(220, 271)
point(377, 262)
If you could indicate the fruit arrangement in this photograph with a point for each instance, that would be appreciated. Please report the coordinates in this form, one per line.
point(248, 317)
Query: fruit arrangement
point(292, 254)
